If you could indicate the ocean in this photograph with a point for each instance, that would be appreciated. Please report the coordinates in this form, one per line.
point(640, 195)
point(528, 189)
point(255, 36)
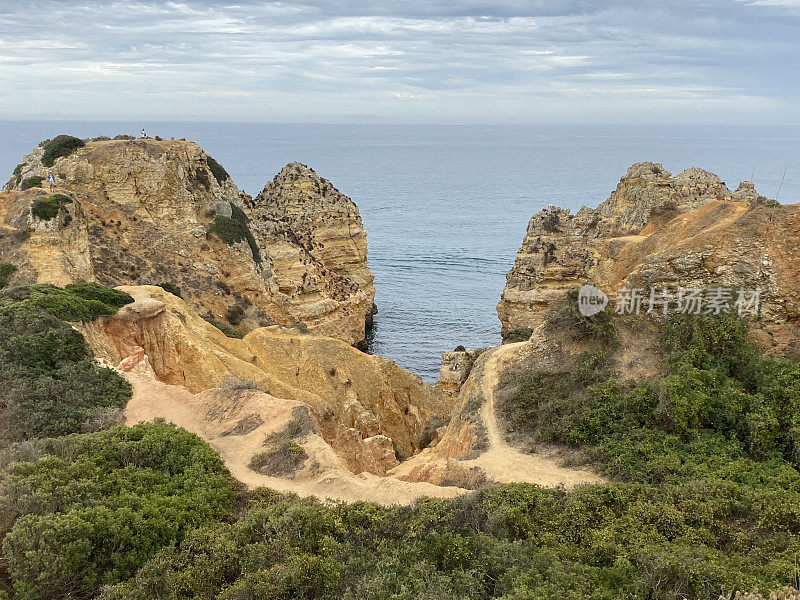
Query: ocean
point(446, 207)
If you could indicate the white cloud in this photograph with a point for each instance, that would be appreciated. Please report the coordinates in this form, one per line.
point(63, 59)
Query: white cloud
point(334, 59)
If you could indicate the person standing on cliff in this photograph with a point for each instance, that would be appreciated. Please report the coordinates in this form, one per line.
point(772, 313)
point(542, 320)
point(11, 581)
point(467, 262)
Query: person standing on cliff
point(51, 179)
point(144, 135)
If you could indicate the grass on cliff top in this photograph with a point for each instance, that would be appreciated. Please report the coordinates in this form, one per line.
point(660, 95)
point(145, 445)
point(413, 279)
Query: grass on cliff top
point(75, 302)
point(62, 145)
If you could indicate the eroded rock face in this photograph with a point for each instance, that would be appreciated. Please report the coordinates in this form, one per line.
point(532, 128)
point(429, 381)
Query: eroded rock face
point(366, 393)
point(318, 248)
point(659, 230)
point(149, 212)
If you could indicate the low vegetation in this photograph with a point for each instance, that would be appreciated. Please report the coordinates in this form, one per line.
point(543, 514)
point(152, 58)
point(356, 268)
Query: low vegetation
point(702, 497)
point(517, 335)
point(217, 170)
point(235, 229)
point(47, 208)
point(234, 314)
point(566, 318)
point(85, 511)
point(50, 384)
point(282, 459)
point(171, 288)
point(31, 182)
point(6, 271)
point(61, 145)
point(229, 331)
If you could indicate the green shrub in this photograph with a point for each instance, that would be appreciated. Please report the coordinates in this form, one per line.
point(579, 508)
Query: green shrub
point(171, 288)
point(565, 317)
point(17, 174)
point(235, 229)
point(31, 182)
point(217, 170)
point(283, 458)
point(517, 335)
point(62, 145)
point(229, 331)
point(234, 314)
point(49, 207)
point(6, 271)
point(49, 382)
point(76, 302)
point(89, 510)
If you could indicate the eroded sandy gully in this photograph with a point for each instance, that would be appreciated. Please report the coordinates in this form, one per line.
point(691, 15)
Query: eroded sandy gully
point(212, 415)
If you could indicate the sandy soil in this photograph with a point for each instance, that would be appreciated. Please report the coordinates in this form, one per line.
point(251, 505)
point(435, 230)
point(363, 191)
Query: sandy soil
point(325, 474)
point(504, 463)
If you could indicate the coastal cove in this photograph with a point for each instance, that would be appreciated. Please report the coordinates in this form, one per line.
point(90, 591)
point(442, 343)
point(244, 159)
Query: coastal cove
point(445, 207)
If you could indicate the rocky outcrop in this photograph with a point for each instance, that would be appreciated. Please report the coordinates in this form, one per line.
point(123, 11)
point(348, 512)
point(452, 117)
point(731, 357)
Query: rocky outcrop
point(659, 230)
point(367, 393)
point(163, 212)
point(311, 227)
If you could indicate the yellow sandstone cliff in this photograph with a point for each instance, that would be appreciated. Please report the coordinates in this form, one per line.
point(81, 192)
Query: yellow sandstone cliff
point(154, 212)
point(659, 230)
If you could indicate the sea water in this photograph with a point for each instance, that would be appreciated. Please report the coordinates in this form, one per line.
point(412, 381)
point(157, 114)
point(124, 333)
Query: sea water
point(446, 207)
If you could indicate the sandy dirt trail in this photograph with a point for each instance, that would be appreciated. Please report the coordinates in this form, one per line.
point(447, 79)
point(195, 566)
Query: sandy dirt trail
point(502, 462)
point(330, 480)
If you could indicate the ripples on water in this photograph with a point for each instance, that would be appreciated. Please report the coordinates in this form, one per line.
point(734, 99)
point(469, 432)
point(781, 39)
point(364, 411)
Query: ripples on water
point(446, 207)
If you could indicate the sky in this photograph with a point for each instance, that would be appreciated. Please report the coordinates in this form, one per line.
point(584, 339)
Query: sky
point(416, 61)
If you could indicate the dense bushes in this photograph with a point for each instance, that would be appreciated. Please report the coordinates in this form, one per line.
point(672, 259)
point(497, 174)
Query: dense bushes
point(515, 541)
point(235, 229)
point(88, 510)
point(75, 302)
point(49, 382)
point(703, 499)
point(6, 271)
point(31, 182)
point(217, 170)
point(566, 318)
point(61, 145)
point(47, 208)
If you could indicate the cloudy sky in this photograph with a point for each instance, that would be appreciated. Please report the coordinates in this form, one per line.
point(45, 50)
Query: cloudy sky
point(572, 61)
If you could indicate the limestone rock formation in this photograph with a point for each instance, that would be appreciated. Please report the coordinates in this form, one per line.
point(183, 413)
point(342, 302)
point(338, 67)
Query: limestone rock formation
point(367, 393)
point(162, 211)
point(310, 227)
point(659, 230)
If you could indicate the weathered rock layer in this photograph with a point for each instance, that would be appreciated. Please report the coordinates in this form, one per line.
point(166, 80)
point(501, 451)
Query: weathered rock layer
point(657, 230)
point(153, 212)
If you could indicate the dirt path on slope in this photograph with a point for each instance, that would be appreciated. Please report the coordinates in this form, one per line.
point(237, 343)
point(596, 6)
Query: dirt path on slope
point(502, 462)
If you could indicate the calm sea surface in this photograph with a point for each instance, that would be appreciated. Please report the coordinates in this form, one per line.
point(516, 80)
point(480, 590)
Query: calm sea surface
point(445, 207)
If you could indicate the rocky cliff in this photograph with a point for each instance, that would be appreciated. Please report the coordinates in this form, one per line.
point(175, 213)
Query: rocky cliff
point(164, 212)
point(658, 230)
point(367, 393)
point(311, 227)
